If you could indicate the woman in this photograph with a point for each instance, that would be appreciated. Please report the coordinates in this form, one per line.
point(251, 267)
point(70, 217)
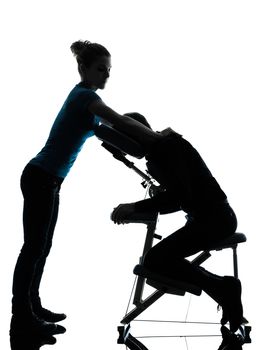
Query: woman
point(44, 174)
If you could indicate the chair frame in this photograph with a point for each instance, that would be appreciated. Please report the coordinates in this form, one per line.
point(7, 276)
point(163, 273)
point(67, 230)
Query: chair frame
point(173, 287)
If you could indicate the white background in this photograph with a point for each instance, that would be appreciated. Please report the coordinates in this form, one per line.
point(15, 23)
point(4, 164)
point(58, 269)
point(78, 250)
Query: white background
point(192, 65)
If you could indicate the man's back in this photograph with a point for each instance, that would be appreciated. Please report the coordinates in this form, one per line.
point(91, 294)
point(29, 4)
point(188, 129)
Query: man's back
point(179, 168)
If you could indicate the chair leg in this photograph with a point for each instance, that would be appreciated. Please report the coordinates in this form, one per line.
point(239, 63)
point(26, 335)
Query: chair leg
point(235, 261)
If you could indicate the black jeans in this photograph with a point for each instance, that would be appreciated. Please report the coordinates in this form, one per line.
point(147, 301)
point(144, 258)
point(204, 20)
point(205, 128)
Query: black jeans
point(168, 257)
point(41, 201)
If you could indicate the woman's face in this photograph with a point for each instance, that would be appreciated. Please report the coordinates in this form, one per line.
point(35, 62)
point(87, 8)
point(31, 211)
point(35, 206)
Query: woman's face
point(97, 73)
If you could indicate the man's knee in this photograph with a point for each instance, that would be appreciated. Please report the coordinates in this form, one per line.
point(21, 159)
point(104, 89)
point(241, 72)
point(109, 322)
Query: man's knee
point(157, 257)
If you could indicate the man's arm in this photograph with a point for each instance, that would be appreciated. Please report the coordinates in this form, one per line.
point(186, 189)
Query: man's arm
point(163, 203)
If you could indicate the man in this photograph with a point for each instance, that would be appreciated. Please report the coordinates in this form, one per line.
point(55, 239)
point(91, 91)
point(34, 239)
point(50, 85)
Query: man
point(189, 186)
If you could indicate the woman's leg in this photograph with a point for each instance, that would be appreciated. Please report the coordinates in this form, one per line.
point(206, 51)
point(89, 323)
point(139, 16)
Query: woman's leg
point(40, 195)
point(37, 307)
point(39, 267)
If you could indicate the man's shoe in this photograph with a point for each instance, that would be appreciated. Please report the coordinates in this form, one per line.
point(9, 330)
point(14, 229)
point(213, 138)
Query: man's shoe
point(229, 340)
point(225, 318)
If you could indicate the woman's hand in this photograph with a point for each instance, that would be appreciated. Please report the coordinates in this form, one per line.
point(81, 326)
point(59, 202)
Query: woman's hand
point(122, 212)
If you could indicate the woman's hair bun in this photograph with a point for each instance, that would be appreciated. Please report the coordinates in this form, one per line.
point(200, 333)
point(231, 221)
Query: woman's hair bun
point(86, 52)
point(78, 46)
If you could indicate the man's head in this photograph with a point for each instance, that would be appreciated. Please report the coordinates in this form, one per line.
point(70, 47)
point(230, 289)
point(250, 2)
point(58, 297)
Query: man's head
point(139, 117)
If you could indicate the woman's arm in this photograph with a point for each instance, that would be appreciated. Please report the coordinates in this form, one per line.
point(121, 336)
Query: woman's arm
point(137, 131)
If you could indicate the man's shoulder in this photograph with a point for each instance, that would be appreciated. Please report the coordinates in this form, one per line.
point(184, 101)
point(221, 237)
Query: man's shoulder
point(169, 132)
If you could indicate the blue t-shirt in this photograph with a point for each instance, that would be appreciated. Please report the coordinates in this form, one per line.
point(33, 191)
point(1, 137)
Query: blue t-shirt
point(72, 126)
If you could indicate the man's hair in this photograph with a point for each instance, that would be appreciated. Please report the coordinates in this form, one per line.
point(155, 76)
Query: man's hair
point(139, 117)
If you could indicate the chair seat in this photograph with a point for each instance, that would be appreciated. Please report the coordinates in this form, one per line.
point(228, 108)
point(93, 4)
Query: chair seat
point(229, 242)
point(168, 285)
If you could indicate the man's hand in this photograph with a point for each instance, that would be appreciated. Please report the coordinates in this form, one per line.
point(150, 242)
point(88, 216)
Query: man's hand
point(122, 212)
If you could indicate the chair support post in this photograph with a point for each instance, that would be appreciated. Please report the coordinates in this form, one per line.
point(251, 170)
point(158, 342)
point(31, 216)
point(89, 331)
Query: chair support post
point(235, 261)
